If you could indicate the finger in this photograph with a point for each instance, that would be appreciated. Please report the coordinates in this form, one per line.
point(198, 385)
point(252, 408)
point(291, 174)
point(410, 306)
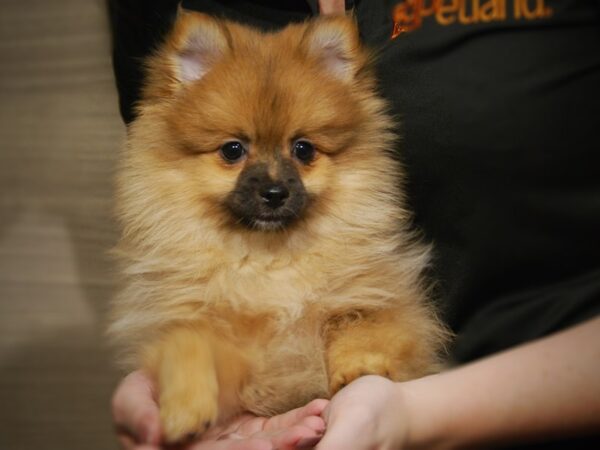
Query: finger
point(315, 423)
point(135, 410)
point(298, 436)
point(295, 416)
point(248, 425)
point(304, 434)
point(315, 407)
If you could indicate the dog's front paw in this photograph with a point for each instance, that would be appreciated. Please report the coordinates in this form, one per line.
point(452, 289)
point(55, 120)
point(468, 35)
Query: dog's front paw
point(343, 371)
point(187, 412)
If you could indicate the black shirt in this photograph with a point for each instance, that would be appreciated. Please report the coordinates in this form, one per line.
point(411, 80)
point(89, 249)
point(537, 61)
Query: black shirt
point(500, 108)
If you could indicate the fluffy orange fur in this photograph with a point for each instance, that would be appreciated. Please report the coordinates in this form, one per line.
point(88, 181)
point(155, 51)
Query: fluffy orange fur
point(229, 318)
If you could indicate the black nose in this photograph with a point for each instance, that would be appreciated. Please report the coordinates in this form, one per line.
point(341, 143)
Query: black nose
point(274, 195)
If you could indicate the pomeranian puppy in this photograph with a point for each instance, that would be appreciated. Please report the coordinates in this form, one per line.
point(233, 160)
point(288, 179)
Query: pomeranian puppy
point(266, 247)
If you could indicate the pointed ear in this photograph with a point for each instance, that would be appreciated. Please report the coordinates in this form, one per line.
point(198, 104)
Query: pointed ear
point(196, 43)
point(335, 41)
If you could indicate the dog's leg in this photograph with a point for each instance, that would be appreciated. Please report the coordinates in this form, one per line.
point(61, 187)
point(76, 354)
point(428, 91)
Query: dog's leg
point(185, 365)
point(382, 343)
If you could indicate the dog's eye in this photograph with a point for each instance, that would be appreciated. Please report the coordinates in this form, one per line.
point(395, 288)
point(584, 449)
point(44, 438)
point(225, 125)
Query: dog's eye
point(304, 151)
point(232, 151)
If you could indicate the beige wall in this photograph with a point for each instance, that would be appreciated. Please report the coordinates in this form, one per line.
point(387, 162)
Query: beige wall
point(59, 134)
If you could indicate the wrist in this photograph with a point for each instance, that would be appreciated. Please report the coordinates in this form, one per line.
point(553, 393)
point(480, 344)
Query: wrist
point(426, 415)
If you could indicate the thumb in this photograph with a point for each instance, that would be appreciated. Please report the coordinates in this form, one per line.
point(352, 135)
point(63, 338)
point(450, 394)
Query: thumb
point(347, 432)
point(135, 410)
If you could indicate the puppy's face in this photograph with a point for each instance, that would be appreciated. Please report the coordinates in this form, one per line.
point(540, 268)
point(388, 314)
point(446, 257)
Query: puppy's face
point(257, 127)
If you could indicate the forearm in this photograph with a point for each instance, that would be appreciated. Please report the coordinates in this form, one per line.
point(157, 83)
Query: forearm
point(545, 388)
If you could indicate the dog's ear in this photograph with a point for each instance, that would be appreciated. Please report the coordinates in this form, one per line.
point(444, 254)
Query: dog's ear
point(335, 41)
point(196, 43)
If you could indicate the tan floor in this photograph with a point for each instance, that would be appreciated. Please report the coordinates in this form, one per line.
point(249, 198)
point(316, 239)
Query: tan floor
point(59, 134)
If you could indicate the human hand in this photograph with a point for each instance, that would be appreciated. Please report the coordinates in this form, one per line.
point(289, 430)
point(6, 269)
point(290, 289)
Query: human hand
point(368, 414)
point(137, 418)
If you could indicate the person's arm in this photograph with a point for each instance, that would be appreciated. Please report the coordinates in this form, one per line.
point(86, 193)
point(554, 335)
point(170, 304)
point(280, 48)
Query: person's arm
point(546, 389)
